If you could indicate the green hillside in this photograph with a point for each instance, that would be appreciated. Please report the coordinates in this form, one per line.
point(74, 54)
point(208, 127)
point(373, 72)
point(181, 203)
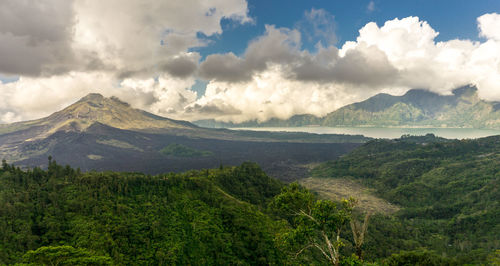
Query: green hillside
point(226, 216)
point(239, 215)
point(419, 108)
point(448, 191)
point(135, 219)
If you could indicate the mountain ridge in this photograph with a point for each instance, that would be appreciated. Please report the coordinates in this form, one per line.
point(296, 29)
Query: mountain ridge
point(416, 108)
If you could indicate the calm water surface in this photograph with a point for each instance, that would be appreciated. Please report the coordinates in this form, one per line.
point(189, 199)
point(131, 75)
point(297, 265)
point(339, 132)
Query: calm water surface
point(376, 132)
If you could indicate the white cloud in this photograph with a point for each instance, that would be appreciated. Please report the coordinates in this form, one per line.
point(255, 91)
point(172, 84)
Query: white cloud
point(166, 96)
point(489, 26)
point(398, 56)
point(128, 35)
point(115, 48)
point(31, 98)
point(64, 49)
point(269, 94)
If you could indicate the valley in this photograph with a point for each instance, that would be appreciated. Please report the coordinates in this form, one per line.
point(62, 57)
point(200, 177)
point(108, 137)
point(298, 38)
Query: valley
point(98, 133)
point(248, 132)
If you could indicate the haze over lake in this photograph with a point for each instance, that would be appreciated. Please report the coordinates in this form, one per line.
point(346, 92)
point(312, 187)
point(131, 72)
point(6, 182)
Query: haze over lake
point(388, 133)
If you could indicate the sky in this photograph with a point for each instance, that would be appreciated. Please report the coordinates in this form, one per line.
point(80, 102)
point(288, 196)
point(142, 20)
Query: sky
point(238, 60)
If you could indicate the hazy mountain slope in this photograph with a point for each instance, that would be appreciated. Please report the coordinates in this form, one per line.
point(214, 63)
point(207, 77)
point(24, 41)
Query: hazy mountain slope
point(419, 108)
point(416, 108)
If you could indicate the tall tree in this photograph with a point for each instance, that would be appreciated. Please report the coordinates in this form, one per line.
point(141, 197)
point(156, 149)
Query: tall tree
point(316, 224)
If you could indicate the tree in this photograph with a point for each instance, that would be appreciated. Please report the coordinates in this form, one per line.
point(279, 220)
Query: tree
point(358, 233)
point(316, 224)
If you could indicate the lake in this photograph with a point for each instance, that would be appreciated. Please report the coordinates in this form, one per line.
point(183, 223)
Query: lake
point(390, 133)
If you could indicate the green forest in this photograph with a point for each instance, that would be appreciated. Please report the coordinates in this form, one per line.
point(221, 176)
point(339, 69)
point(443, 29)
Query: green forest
point(448, 191)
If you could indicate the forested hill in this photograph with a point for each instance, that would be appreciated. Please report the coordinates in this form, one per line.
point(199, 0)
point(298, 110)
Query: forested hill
point(239, 215)
point(225, 216)
point(448, 190)
point(207, 217)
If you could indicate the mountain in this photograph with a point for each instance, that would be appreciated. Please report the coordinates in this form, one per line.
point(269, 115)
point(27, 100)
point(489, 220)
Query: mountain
point(107, 134)
point(416, 108)
point(91, 109)
point(422, 108)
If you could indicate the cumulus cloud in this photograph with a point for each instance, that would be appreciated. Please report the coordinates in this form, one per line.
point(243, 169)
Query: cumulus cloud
point(400, 55)
point(365, 65)
point(276, 46)
point(136, 37)
point(35, 36)
point(63, 49)
point(182, 66)
point(128, 38)
point(32, 97)
point(141, 51)
point(488, 26)
point(269, 94)
point(225, 67)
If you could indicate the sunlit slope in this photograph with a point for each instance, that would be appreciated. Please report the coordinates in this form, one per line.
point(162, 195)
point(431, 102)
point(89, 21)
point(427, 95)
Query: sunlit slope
point(91, 109)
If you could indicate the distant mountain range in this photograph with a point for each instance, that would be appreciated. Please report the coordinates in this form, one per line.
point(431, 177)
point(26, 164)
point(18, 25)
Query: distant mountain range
point(107, 134)
point(416, 108)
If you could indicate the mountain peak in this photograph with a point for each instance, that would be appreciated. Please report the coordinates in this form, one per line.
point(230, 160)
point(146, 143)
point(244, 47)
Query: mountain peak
point(92, 97)
point(95, 108)
point(465, 90)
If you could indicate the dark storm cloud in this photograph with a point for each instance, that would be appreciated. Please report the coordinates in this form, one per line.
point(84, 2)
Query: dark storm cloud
point(35, 36)
point(364, 65)
point(278, 46)
point(368, 66)
point(180, 67)
point(225, 67)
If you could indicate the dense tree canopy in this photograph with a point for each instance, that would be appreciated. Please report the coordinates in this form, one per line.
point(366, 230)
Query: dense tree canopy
point(448, 191)
point(136, 219)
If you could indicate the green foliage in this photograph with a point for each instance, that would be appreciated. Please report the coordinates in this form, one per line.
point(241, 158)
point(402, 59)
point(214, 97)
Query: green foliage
point(62, 215)
point(64, 255)
point(448, 191)
point(249, 183)
point(494, 258)
point(315, 224)
point(179, 150)
point(417, 258)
